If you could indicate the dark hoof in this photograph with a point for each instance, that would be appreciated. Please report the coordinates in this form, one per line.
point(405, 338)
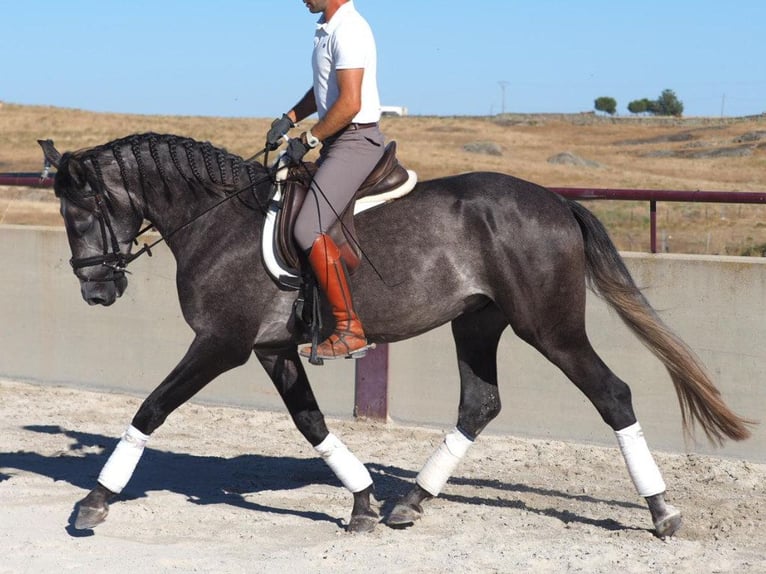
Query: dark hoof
point(92, 510)
point(363, 523)
point(404, 515)
point(668, 524)
point(88, 518)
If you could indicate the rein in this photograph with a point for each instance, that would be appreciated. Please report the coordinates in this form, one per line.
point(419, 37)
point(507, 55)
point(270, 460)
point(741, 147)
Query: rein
point(118, 261)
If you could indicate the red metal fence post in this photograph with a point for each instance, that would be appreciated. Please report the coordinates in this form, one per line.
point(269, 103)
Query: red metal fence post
point(371, 396)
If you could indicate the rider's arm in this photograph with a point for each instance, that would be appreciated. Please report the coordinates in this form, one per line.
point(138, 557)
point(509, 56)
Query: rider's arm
point(304, 108)
point(347, 105)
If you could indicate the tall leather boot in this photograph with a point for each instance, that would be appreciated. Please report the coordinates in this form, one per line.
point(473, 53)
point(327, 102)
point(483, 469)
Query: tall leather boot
point(348, 340)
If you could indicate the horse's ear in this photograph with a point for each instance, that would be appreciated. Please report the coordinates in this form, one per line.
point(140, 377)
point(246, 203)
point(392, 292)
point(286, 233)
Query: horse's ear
point(74, 168)
point(52, 155)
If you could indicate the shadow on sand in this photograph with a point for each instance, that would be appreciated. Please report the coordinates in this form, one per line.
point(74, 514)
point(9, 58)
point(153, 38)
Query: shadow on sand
point(218, 480)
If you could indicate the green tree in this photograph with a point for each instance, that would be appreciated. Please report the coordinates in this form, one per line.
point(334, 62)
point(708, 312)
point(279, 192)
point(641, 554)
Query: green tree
point(606, 104)
point(639, 106)
point(668, 104)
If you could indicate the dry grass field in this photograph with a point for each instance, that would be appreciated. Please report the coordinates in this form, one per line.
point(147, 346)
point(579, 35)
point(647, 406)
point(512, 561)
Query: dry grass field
point(709, 154)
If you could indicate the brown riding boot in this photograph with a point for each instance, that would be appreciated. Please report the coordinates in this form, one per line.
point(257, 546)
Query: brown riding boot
point(348, 340)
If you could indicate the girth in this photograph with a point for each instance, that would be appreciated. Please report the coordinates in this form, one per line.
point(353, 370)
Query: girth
point(387, 175)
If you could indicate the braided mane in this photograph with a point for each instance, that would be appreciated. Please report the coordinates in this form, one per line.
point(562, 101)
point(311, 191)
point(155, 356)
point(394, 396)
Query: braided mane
point(161, 158)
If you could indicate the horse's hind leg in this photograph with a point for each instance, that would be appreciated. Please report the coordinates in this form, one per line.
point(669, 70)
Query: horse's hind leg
point(289, 377)
point(568, 347)
point(476, 335)
point(206, 358)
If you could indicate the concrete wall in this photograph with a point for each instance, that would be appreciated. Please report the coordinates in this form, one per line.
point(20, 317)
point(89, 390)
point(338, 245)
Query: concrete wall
point(717, 304)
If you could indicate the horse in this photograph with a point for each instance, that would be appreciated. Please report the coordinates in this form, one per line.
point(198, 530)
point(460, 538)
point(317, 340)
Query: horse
point(480, 250)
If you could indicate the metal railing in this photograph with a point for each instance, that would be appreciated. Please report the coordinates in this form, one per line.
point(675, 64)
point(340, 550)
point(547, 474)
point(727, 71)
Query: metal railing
point(653, 196)
point(26, 179)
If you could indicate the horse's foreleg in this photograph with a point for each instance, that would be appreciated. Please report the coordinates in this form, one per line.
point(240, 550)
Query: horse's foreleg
point(289, 377)
point(206, 359)
point(477, 335)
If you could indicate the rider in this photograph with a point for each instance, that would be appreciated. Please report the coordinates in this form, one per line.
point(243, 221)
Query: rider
point(345, 96)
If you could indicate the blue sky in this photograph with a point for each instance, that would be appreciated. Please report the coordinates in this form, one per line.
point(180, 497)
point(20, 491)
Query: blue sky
point(250, 58)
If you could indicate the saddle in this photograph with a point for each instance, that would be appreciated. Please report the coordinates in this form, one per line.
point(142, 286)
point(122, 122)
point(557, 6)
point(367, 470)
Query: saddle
point(387, 181)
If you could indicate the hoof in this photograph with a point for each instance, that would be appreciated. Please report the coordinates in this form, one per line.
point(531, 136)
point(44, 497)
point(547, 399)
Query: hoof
point(363, 523)
point(88, 518)
point(404, 515)
point(668, 524)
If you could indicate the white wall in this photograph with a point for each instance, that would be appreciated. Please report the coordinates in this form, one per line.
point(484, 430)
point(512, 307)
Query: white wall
point(717, 304)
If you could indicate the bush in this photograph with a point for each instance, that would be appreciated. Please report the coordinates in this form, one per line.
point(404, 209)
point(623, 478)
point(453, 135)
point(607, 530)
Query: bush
point(754, 251)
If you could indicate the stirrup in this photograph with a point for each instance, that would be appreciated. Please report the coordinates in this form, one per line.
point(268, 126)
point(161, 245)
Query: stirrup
point(311, 352)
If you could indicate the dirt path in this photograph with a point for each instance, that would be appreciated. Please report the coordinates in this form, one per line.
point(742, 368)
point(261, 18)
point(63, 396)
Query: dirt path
point(231, 490)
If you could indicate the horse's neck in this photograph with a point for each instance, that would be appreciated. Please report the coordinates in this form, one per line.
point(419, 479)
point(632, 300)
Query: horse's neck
point(182, 205)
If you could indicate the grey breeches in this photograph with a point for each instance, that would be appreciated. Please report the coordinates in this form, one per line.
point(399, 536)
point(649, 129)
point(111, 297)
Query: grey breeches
point(344, 163)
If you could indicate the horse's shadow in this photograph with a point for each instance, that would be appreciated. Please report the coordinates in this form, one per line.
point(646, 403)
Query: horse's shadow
point(218, 480)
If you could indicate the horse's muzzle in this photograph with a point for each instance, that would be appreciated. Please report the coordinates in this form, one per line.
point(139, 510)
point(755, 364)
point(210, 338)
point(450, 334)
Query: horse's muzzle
point(103, 292)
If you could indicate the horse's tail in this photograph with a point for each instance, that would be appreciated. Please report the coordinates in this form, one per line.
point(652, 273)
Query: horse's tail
point(608, 276)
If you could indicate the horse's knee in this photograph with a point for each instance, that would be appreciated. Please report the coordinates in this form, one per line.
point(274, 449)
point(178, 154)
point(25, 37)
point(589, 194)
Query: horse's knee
point(311, 425)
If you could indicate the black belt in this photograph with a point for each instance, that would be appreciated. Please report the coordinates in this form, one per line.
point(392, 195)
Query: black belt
point(355, 126)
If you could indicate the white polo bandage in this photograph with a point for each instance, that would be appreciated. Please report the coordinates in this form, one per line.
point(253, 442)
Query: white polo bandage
point(641, 466)
point(120, 466)
point(443, 462)
point(351, 472)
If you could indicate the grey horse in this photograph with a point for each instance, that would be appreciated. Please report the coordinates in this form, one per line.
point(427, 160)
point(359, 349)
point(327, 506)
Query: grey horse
point(480, 250)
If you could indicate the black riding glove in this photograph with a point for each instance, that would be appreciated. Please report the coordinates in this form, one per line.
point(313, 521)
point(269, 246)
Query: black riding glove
point(279, 127)
point(296, 149)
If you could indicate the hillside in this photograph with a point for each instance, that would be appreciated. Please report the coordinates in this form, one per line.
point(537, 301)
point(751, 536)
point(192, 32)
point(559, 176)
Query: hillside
point(649, 153)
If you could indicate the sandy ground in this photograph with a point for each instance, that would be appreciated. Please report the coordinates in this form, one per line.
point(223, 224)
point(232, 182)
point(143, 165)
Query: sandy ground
point(229, 490)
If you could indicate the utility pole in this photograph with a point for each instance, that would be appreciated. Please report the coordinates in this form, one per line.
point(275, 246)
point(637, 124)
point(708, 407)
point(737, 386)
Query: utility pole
point(502, 84)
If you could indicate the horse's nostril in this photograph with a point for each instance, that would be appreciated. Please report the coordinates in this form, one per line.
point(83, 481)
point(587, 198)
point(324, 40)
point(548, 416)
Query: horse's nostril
point(99, 293)
point(105, 301)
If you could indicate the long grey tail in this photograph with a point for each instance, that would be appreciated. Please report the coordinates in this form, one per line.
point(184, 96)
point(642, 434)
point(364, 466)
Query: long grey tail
point(608, 276)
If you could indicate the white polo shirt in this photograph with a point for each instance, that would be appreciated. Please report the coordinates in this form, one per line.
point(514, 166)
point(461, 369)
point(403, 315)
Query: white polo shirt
point(345, 42)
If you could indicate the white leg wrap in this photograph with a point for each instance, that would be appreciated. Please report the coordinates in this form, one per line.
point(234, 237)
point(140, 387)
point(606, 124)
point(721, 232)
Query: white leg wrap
point(351, 472)
point(120, 466)
point(442, 463)
point(641, 466)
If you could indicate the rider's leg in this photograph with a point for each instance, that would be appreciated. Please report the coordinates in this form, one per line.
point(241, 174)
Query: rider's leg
point(348, 339)
point(344, 164)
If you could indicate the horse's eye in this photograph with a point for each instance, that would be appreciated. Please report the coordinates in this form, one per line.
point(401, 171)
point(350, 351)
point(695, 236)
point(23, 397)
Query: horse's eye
point(79, 220)
point(84, 224)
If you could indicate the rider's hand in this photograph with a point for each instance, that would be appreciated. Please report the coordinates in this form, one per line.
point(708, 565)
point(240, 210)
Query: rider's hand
point(297, 148)
point(279, 127)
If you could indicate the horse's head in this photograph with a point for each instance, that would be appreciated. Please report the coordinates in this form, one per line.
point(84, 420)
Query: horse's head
point(100, 217)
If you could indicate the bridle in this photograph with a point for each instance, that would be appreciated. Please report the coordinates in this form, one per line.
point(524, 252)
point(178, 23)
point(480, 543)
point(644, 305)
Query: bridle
point(113, 258)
